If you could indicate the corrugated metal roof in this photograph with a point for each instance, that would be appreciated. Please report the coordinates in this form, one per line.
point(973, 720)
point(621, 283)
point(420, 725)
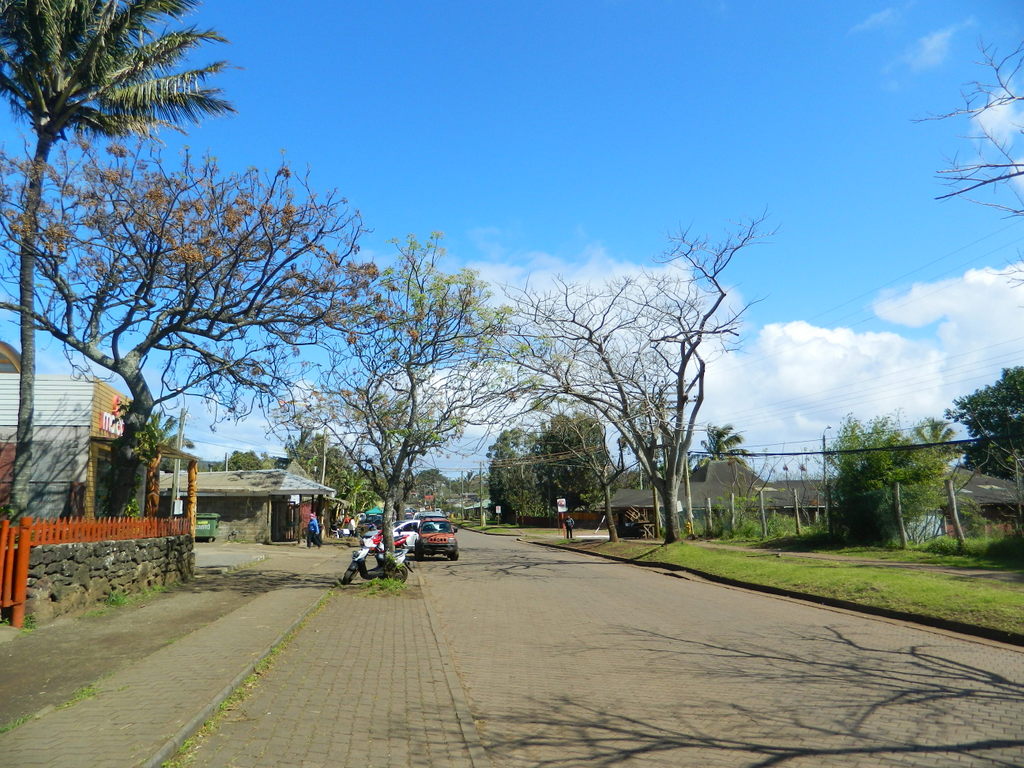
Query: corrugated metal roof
point(252, 482)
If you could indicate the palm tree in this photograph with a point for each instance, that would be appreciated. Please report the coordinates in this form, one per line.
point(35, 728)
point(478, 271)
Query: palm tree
point(723, 443)
point(90, 67)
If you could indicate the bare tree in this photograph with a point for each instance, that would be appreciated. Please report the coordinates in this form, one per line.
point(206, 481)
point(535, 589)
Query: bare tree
point(419, 366)
point(635, 349)
point(182, 280)
point(996, 111)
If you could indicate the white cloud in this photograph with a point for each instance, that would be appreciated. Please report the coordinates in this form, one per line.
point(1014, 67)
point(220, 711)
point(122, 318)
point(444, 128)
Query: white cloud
point(884, 18)
point(794, 379)
point(932, 50)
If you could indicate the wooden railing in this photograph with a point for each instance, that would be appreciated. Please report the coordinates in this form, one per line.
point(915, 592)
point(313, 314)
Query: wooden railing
point(16, 542)
point(106, 529)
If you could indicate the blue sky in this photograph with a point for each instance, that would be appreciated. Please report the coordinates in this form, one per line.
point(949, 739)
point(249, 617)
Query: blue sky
point(571, 136)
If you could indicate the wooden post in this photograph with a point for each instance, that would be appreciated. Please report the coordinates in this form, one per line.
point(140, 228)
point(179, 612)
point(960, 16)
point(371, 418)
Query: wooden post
point(732, 512)
point(152, 487)
point(764, 520)
point(193, 472)
point(897, 508)
point(707, 520)
point(954, 514)
point(796, 513)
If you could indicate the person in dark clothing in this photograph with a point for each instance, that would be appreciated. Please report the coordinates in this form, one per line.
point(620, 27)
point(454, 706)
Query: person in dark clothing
point(569, 525)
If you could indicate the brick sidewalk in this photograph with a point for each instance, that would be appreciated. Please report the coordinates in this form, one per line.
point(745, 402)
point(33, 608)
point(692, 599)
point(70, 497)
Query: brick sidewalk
point(365, 683)
point(141, 714)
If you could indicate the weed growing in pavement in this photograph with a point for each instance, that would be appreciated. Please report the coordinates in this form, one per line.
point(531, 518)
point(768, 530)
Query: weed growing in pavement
point(14, 723)
point(383, 588)
point(29, 623)
point(83, 693)
point(117, 598)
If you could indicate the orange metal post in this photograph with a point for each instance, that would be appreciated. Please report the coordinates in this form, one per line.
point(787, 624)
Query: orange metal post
point(6, 563)
point(21, 572)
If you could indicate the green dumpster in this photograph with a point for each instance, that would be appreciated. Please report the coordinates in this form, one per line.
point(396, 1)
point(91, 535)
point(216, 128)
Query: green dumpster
point(206, 525)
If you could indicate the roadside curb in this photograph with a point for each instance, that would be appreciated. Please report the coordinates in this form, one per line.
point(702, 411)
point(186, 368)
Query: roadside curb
point(1011, 638)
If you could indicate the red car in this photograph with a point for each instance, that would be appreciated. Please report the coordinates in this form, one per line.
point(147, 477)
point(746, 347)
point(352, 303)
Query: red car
point(437, 537)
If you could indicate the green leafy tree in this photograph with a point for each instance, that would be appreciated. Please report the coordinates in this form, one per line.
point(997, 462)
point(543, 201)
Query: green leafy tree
point(995, 415)
point(89, 67)
point(430, 482)
point(512, 477)
point(248, 460)
point(589, 472)
point(417, 367)
point(868, 458)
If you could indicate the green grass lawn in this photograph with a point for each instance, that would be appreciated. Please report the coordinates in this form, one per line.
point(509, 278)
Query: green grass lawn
point(980, 602)
point(995, 554)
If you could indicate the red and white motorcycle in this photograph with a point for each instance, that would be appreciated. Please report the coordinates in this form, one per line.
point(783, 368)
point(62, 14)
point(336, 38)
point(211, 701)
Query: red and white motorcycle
point(396, 567)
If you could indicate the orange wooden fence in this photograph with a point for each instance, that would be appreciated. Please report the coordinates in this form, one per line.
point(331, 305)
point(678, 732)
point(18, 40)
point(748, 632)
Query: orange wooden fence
point(16, 542)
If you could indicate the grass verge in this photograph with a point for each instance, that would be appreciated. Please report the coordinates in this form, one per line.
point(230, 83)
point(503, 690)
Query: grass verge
point(947, 597)
point(1006, 554)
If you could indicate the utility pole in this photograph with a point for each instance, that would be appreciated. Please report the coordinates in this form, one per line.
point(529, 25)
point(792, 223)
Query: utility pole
point(175, 481)
point(483, 512)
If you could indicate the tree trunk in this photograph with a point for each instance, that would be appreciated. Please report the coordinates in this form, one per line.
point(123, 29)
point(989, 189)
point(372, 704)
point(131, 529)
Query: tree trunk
point(123, 480)
point(670, 501)
point(613, 533)
point(20, 489)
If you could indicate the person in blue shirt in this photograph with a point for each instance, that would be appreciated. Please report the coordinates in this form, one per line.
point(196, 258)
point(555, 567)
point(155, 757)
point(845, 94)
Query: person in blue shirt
point(313, 532)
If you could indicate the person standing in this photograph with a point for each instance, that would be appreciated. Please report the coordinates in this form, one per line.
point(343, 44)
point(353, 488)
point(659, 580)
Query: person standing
point(313, 532)
point(569, 525)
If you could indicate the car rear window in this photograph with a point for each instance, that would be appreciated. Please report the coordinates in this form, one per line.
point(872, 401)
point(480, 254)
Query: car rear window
point(436, 526)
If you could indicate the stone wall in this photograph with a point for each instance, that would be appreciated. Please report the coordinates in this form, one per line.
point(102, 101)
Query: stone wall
point(68, 578)
point(242, 518)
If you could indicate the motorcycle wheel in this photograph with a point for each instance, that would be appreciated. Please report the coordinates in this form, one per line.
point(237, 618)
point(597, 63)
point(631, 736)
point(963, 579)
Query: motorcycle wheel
point(362, 570)
point(347, 577)
point(401, 573)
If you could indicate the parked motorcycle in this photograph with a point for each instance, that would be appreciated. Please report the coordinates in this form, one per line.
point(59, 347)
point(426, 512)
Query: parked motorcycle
point(373, 542)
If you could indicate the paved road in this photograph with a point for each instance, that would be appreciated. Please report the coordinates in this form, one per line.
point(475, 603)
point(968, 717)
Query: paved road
point(573, 661)
point(518, 656)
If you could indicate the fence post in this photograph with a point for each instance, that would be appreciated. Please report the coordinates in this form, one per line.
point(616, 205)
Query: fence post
point(21, 572)
point(796, 513)
point(954, 514)
point(707, 520)
point(764, 520)
point(897, 508)
point(732, 512)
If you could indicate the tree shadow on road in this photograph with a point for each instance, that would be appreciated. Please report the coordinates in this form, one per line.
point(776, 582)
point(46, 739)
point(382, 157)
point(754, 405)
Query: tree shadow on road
point(834, 700)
